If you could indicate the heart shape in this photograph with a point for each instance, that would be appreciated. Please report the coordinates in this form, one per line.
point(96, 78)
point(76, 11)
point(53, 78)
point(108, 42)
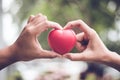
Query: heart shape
point(61, 41)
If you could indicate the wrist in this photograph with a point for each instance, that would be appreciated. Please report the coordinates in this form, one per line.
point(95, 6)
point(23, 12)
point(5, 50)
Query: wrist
point(7, 56)
point(104, 57)
point(112, 59)
point(13, 53)
point(107, 57)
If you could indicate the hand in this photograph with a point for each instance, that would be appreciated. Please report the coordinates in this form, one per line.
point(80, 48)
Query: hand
point(27, 46)
point(89, 43)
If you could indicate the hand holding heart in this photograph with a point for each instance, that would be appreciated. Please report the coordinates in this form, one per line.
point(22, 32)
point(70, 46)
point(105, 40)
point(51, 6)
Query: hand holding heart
point(61, 40)
point(94, 50)
point(87, 42)
point(27, 46)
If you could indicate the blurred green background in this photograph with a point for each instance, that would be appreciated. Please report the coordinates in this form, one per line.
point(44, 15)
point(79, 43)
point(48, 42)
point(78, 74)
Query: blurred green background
point(101, 15)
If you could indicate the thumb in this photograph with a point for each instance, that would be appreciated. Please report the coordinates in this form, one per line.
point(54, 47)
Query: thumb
point(74, 56)
point(49, 54)
point(54, 25)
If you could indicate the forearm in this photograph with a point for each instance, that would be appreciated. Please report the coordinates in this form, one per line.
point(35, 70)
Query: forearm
point(6, 57)
point(113, 60)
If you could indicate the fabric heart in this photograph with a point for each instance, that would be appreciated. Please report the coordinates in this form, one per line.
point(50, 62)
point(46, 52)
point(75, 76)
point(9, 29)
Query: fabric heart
point(61, 41)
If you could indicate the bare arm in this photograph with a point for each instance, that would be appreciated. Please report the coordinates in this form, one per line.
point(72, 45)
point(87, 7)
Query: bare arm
point(94, 50)
point(6, 57)
point(27, 46)
point(113, 60)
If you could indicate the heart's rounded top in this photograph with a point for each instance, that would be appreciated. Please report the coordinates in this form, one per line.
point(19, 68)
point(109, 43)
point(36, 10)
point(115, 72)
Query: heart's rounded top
point(62, 41)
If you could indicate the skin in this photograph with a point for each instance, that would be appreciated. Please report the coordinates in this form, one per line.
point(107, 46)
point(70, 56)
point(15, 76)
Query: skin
point(94, 50)
point(27, 46)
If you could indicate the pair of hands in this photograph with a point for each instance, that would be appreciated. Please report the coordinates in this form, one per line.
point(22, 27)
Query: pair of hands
point(27, 46)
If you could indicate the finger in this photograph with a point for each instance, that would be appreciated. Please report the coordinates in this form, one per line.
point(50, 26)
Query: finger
point(80, 36)
point(39, 19)
point(75, 56)
point(30, 18)
point(50, 54)
point(39, 15)
point(47, 24)
point(54, 25)
point(41, 27)
point(78, 23)
point(80, 47)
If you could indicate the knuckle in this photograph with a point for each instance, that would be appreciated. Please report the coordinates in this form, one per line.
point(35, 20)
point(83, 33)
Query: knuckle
point(45, 17)
point(70, 23)
point(56, 24)
point(31, 15)
point(93, 32)
point(39, 14)
point(46, 23)
point(79, 20)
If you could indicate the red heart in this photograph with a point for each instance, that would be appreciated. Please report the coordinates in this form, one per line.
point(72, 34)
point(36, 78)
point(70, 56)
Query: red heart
point(61, 41)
